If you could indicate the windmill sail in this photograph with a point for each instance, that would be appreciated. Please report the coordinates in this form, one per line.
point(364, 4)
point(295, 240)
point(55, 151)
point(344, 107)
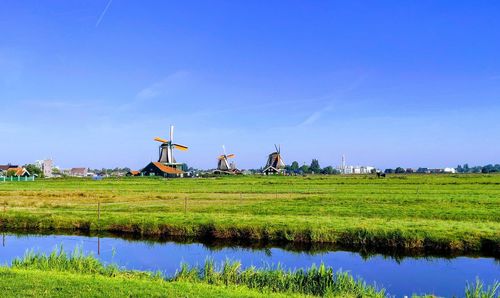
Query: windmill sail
point(166, 154)
point(223, 164)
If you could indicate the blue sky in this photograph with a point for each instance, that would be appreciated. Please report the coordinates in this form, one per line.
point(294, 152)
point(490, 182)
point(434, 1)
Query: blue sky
point(388, 83)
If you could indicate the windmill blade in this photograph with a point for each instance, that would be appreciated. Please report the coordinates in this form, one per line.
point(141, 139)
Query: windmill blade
point(224, 149)
point(180, 147)
point(281, 162)
point(171, 133)
point(221, 157)
point(160, 140)
point(276, 147)
point(230, 156)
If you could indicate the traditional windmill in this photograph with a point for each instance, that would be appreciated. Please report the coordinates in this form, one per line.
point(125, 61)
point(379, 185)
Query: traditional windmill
point(275, 164)
point(223, 166)
point(166, 150)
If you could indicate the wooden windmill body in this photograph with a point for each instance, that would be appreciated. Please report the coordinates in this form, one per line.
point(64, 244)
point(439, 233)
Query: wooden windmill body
point(223, 164)
point(275, 163)
point(166, 150)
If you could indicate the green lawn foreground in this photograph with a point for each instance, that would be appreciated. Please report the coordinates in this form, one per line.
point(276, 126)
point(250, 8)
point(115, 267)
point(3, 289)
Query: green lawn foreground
point(432, 212)
point(37, 283)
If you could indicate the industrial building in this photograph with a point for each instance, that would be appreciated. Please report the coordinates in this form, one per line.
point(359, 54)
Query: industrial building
point(348, 170)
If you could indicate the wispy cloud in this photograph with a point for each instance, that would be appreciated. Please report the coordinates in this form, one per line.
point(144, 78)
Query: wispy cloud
point(315, 116)
point(103, 13)
point(318, 114)
point(160, 88)
point(163, 86)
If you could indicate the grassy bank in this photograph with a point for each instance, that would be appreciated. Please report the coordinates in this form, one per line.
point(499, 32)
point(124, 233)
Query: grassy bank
point(459, 213)
point(37, 283)
point(64, 275)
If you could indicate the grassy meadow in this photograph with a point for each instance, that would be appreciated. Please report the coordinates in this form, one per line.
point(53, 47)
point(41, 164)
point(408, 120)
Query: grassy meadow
point(411, 212)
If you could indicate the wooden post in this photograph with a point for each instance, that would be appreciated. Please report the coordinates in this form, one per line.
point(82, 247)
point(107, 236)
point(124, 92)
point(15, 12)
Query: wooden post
point(98, 213)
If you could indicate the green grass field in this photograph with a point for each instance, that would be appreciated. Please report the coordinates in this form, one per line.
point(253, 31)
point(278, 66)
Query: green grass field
point(424, 212)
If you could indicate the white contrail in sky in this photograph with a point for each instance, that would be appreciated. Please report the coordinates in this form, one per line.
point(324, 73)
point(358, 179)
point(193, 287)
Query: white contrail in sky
point(103, 13)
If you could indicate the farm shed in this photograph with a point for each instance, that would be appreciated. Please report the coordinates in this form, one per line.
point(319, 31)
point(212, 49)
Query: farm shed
point(159, 169)
point(18, 172)
point(133, 173)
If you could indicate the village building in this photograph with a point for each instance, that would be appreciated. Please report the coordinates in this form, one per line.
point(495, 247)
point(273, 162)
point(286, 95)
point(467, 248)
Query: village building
point(133, 173)
point(4, 168)
point(18, 172)
point(78, 172)
point(46, 166)
point(450, 170)
point(161, 170)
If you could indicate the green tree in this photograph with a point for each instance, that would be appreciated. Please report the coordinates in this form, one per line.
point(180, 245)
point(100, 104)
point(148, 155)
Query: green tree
point(34, 170)
point(399, 170)
point(295, 166)
point(304, 169)
point(328, 170)
point(314, 167)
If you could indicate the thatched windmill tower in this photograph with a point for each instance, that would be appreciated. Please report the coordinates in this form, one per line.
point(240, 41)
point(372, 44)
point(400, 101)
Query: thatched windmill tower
point(275, 164)
point(166, 150)
point(223, 165)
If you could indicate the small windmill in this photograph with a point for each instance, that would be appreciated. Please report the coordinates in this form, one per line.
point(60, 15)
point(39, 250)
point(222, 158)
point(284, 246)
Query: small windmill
point(275, 163)
point(166, 150)
point(223, 164)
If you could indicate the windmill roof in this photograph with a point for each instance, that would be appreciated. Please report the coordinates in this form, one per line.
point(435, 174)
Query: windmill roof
point(167, 169)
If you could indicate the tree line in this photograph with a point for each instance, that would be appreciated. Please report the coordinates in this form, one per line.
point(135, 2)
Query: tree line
point(479, 169)
point(313, 168)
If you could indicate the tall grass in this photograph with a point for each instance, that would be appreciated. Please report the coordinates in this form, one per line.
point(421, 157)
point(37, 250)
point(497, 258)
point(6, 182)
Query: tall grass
point(76, 262)
point(478, 290)
point(318, 281)
point(59, 260)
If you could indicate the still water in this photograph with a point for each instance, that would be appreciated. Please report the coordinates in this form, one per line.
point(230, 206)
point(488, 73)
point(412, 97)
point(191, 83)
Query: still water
point(406, 276)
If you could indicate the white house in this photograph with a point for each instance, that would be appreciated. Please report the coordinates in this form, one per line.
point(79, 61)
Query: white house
point(449, 170)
